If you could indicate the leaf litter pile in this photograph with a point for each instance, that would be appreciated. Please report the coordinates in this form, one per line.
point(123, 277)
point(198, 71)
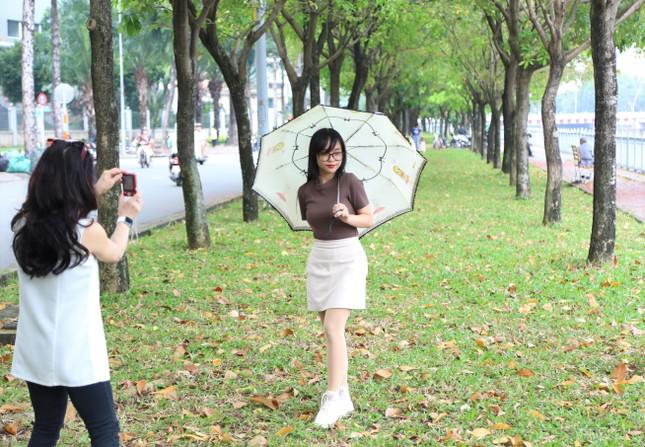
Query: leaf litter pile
point(483, 328)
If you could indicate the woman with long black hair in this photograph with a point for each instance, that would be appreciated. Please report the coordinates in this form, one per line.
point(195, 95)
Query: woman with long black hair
point(60, 346)
point(335, 204)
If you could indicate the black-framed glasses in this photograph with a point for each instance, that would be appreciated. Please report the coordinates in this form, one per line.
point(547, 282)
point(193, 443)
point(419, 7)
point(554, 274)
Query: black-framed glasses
point(336, 156)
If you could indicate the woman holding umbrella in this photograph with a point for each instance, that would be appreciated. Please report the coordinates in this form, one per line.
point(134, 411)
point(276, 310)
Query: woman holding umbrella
point(335, 204)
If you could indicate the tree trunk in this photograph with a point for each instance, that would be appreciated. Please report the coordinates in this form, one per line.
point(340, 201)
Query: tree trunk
point(249, 197)
point(371, 104)
point(552, 194)
point(199, 109)
point(335, 69)
point(28, 94)
point(114, 277)
point(215, 89)
point(497, 127)
point(196, 216)
point(168, 100)
point(57, 113)
point(232, 122)
point(87, 104)
point(482, 119)
point(361, 70)
point(508, 112)
point(298, 93)
point(523, 186)
point(141, 82)
point(314, 86)
point(490, 141)
point(603, 52)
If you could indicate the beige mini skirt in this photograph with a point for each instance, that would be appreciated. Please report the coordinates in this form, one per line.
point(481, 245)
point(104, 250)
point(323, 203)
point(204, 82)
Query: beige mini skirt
point(336, 275)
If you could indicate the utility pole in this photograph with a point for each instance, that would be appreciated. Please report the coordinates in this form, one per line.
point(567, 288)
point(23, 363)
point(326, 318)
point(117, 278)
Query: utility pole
point(122, 142)
point(261, 78)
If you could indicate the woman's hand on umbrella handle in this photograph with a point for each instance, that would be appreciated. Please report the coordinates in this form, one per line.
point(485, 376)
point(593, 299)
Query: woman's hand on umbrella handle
point(340, 212)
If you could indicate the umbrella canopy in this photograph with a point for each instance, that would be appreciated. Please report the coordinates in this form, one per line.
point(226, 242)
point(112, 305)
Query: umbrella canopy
point(377, 153)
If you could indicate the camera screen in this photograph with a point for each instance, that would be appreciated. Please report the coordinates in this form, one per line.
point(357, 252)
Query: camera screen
point(128, 182)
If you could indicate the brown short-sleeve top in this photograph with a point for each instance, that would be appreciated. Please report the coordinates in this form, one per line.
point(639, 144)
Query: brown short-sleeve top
point(316, 202)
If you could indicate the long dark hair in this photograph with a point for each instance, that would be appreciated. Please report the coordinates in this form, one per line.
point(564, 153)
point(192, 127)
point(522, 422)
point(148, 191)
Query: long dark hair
point(323, 141)
point(60, 192)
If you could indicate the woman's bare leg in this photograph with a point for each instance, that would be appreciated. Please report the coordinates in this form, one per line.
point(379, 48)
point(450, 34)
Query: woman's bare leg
point(334, 321)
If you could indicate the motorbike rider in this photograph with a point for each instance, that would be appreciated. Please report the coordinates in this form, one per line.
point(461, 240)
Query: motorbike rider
point(143, 142)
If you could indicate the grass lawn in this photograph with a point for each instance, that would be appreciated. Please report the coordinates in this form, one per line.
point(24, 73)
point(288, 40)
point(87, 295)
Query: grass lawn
point(483, 328)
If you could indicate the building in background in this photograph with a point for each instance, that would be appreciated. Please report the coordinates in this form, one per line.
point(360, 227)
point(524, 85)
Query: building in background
point(11, 20)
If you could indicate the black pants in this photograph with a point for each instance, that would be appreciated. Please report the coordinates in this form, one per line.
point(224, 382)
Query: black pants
point(94, 404)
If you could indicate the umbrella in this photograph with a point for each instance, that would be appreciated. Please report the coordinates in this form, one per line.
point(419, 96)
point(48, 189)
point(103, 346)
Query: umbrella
point(377, 153)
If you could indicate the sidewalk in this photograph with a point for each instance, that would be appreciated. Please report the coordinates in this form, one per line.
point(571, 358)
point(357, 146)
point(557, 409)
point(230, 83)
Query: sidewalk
point(630, 186)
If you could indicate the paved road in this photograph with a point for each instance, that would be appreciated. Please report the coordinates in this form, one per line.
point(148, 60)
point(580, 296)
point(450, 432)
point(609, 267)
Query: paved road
point(221, 181)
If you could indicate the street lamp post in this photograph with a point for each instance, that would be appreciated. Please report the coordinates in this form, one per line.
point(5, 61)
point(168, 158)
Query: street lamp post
point(122, 90)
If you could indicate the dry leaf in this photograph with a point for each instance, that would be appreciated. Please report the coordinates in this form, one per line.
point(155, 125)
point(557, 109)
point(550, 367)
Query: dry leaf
point(286, 332)
point(382, 374)
point(406, 368)
point(167, 393)
point(239, 404)
point(536, 414)
point(141, 387)
point(258, 441)
point(620, 372)
point(176, 292)
point(480, 342)
point(267, 401)
point(393, 413)
point(284, 431)
point(480, 433)
point(524, 372)
point(216, 362)
point(8, 408)
point(11, 428)
point(230, 375)
point(501, 426)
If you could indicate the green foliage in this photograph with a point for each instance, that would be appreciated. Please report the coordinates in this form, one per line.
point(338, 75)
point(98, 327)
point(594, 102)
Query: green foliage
point(11, 71)
point(484, 318)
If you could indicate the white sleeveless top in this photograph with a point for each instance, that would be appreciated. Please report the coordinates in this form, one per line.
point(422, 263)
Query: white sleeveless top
point(60, 338)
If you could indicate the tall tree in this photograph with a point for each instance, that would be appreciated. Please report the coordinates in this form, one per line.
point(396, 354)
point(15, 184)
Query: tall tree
point(55, 31)
point(603, 51)
point(27, 64)
point(114, 278)
point(233, 63)
point(186, 26)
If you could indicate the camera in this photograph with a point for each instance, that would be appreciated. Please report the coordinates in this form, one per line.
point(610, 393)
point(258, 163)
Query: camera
point(129, 184)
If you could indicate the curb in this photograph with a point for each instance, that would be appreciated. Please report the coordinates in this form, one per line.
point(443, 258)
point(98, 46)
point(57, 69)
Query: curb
point(147, 230)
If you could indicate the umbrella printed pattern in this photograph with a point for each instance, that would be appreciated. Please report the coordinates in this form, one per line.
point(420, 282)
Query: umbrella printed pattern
point(377, 154)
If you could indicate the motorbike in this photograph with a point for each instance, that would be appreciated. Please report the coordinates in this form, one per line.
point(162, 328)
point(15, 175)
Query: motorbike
point(175, 169)
point(460, 141)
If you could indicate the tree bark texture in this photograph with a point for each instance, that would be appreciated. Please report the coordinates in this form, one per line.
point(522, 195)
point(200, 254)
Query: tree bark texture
point(57, 113)
point(603, 52)
point(552, 194)
point(523, 185)
point(215, 89)
point(183, 45)
point(232, 124)
point(482, 120)
point(497, 137)
point(361, 71)
point(141, 82)
point(508, 112)
point(114, 277)
point(335, 69)
point(27, 62)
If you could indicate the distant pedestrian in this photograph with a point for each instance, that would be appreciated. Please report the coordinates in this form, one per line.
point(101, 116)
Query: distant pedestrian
point(416, 136)
point(586, 153)
point(335, 204)
point(60, 348)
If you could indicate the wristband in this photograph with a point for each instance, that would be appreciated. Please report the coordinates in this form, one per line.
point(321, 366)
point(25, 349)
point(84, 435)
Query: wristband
point(126, 220)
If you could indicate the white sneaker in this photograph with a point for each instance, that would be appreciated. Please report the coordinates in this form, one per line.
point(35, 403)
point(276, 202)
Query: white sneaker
point(331, 409)
point(346, 401)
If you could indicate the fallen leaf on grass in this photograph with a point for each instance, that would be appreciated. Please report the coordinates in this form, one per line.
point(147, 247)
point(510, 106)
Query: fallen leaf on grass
point(9, 408)
point(284, 431)
point(286, 332)
point(393, 413)
point(524, 372)
point(267, 401)
point(480, 433)
point(480, 342)
point(167, 393)
point(536, 414)
point(230, 375)
point(406, 368)
point(382, 374)
point(11, 428)
point(501, 426)
point(620, 372)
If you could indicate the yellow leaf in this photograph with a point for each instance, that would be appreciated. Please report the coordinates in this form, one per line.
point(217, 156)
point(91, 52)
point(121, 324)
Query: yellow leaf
point(383, 374)
point(167, 393)
point(216, 362)
point(284, 431)
point(286, 332)
point(501, 426)
point(480, 433)
point(619, 372)
point(393, 413)
point(536, 414)
point(11, 428)
point(480, 342)
point(406, 368)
